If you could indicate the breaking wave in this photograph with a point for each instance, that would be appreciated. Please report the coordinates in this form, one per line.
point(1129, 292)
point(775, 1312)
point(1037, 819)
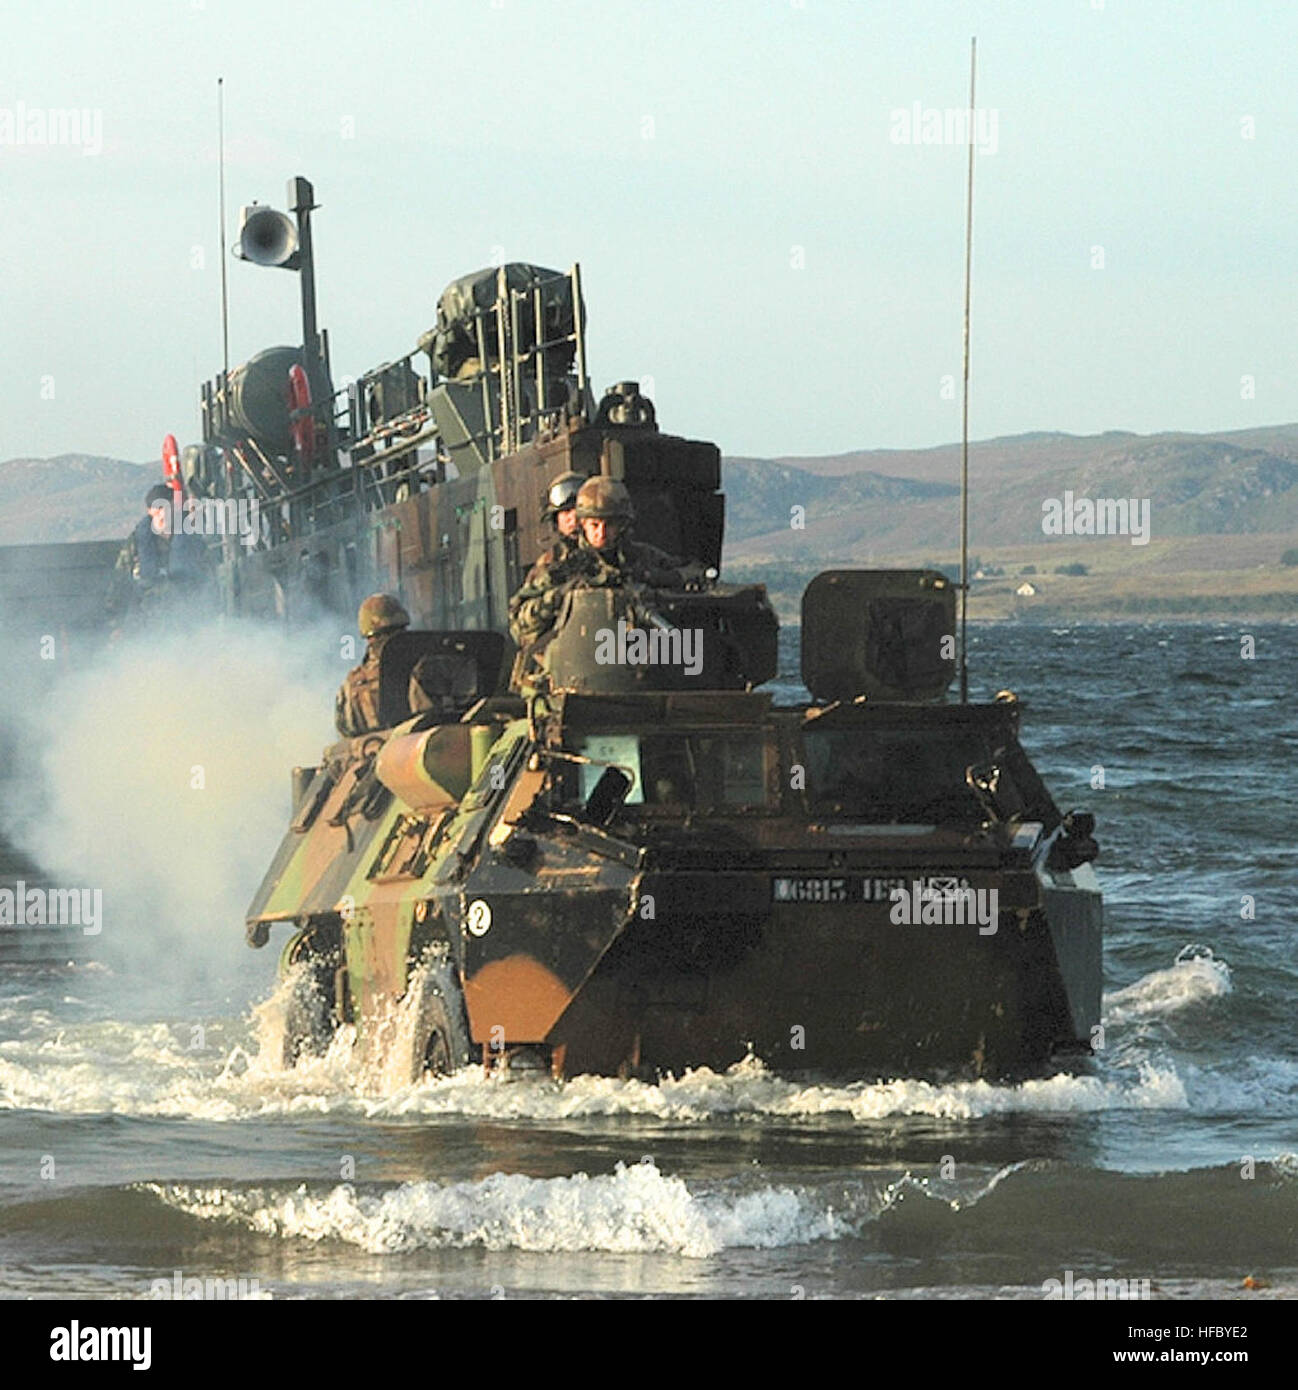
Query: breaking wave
point(636, 1209)
point(1196, 977)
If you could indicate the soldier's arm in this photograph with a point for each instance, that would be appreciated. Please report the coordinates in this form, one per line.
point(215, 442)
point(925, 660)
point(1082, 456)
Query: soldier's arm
point(117, 595)
point(535, 614)
point(343, 720)
point(535, 605)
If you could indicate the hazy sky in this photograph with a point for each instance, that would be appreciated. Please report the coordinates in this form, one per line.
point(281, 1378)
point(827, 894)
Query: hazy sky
point(753, 234)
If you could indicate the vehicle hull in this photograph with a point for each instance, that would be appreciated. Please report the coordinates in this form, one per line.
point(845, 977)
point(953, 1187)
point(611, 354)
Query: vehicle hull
point(828, 989)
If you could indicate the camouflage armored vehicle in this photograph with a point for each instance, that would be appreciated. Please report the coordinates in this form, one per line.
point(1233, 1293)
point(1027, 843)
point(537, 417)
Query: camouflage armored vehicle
point(635, 869)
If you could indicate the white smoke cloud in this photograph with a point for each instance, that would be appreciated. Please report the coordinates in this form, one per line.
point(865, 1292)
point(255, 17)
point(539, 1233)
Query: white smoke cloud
point(162, 771)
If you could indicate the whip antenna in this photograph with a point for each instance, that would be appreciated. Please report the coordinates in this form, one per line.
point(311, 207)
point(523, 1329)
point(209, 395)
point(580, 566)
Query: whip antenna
point(220, 160)
point(964, 430)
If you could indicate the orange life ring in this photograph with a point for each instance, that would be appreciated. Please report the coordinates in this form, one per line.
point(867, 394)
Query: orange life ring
point(171, 461)
point(301, 423)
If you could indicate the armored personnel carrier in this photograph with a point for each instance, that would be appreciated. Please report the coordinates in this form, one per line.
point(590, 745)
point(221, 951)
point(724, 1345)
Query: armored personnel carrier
point(641, 866)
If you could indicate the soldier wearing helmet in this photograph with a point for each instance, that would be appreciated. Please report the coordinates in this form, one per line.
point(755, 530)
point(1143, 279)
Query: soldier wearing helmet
point(356, 710)
point(561, 506)
point(561, 509)
point(604, 555)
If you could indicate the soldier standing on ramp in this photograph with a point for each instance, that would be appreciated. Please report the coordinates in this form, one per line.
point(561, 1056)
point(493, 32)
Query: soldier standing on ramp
point(157, 563)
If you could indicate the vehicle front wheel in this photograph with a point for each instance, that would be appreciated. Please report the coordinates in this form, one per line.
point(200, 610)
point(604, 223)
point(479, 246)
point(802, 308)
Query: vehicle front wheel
point(311, 1019)
point(436, 1040)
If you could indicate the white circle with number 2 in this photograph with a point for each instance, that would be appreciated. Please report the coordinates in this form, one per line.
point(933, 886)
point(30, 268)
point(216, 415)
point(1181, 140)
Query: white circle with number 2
point(479, 918)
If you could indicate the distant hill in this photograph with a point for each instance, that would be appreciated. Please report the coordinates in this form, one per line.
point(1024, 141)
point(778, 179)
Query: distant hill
point(74, 497)
point(1223, 507)
point(1230, 484)
point(761, 495)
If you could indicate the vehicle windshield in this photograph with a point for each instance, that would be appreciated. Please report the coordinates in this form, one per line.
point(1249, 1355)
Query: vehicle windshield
point(702, 770)
point(899, 776)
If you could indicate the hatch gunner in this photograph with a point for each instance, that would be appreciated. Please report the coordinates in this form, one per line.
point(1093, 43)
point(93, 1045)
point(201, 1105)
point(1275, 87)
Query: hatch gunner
point(604, 555)
point(444, 681)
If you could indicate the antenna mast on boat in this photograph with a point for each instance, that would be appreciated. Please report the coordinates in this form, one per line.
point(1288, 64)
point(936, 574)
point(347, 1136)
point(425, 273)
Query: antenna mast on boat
point(220, 160)
point(964, 431)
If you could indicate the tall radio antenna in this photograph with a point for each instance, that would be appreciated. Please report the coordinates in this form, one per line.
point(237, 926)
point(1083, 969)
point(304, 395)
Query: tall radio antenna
point(964, 429)
point(220, 159)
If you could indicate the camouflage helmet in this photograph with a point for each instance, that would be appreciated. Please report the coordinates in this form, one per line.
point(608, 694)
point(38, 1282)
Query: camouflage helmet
point(562, 492)
point(604, 499)
point(381, 613)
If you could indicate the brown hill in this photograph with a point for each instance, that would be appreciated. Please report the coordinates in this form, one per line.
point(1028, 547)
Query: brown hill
point(74, 497)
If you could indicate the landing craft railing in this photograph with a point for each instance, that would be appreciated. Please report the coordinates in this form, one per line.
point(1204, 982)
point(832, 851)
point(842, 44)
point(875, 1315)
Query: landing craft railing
point(386, 417)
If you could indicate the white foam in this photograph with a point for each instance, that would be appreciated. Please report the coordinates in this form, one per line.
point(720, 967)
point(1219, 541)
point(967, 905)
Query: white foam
point(1195, 977)
point(636, 1209)
point(154, 1069)
point(1250, 1084)
point(151, 1069)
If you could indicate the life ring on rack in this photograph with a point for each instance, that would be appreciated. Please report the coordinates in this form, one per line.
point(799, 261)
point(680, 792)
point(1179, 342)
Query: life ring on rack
point(301, 422)
point(171, 462)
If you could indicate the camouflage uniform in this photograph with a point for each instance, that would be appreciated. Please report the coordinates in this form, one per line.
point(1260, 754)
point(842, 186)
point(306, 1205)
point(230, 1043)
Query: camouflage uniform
point(525, 617)
point(535, 607)
point(356, 710)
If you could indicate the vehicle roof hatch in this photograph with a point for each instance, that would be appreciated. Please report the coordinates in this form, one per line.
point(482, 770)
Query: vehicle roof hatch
point(884, 634)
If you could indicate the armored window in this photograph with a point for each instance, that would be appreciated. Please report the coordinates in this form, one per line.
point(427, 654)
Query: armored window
point(896, 776)
point(690, 770)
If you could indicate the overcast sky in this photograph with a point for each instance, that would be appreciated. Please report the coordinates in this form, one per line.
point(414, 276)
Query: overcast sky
point(755, 235)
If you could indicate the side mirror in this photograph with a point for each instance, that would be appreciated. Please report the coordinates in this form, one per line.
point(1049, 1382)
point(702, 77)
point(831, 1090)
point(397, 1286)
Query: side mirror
point(1074, 845)
point(1080, 823)
point(607, 796)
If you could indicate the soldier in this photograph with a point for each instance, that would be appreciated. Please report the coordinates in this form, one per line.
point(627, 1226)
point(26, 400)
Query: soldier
point(561, 509)
point(605, 554)
point(154, 561)
point(356, 710)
